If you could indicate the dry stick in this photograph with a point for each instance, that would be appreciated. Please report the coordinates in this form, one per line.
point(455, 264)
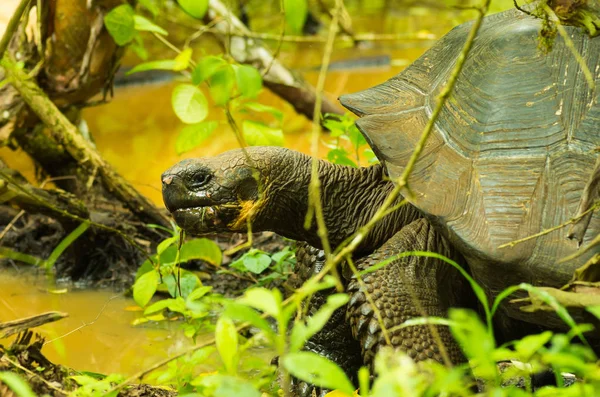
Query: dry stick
point(32, 374)
point(279, 43)
point(552, 229)
point(12, 327)
point(12, 26)
point(344, 38)
point(77, 146)
point(84, 323)
point(569, 43)
point(11, 224)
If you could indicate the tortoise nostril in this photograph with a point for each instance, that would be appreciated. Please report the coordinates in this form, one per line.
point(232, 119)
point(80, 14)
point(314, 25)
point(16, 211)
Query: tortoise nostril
point(166, 180)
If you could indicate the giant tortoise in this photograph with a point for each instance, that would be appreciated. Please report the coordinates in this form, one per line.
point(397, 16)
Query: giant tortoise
point(510, 155)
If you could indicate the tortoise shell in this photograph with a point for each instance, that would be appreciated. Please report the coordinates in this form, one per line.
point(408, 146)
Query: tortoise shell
point(511, 151)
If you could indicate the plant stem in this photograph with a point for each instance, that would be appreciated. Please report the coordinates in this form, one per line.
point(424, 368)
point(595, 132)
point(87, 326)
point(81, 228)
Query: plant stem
point(12, 26)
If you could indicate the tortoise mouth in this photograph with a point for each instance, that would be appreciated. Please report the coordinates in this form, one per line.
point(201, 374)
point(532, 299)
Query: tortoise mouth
point(205, 219)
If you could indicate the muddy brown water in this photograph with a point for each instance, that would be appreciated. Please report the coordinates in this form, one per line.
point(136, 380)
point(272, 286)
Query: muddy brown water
point(136, 133)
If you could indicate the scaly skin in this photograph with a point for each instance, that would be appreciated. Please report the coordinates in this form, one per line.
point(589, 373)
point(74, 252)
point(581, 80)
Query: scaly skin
point(269, 188)
point(220, 194)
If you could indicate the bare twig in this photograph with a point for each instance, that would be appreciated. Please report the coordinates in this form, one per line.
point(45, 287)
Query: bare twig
point(34, 375)
point(569, 44)
point(12, 26)
point(552, 229)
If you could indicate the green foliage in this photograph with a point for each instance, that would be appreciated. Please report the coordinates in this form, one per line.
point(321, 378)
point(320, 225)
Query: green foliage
point(296, 12)
point(17, 384)
point(196, 8)
point(342, 129)
point(192, 136)
point(65, 243)
point(94, 386)
point(317, 370)
point(259, 134)
point(189, 103)
point(120, 24)
point(280, 264)
point(248, 79)
point(226, 338)
point(54, 255)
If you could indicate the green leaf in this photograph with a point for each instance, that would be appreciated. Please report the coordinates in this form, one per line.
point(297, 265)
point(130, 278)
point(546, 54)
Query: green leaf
point(145, 287)
point(166, 243)
point(189, 103)
point(317, 370)
point(158, 306)
point(207, 66)
point(120, 24)
point(256, 261)
point(166, 64)
point(151, 6)
point(142, 24)
point(258, 134)
point(199, 293)
point(595, 310)
point(196, 8)
point(16, 384)
point(249, 80)
point(260, 108)
point(201, 248)
point(530, 344)
point(226, 340)
point(182, 60)
point(221, 85)
point(296, 12)
point(188, 282)
point(302, 333)
point(340, 156)
point(192, 136)
point(247, 314)
point(269, 301)
point(476, 342)
point(223, 386)
point(138, 47)
point(65, 243)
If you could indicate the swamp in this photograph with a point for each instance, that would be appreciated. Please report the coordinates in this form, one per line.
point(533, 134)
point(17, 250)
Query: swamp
point(299, 198)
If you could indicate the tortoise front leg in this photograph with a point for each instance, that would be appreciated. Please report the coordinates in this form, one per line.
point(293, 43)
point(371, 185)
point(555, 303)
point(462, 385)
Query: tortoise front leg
point(406, 288)
point(334, 340)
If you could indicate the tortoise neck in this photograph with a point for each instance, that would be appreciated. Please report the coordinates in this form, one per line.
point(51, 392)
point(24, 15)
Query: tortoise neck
point(349, 196)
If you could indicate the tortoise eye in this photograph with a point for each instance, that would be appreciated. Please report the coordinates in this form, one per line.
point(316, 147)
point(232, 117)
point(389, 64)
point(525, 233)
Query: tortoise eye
point(200, 179)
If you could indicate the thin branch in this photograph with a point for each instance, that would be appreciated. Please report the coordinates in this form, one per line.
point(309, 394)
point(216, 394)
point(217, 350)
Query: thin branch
point(12, 26)
point(9, 328)
point(51, 385)
point(569, 44)
point(315, 206)
point(552, 229)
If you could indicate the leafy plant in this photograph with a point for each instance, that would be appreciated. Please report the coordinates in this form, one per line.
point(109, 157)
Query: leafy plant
point(342, 129)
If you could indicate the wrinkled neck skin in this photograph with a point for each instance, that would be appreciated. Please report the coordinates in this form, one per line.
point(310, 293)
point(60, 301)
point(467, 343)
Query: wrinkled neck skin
point(350, 198)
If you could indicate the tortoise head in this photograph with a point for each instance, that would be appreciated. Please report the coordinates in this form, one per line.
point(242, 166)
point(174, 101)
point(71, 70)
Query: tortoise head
point(217, 194)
